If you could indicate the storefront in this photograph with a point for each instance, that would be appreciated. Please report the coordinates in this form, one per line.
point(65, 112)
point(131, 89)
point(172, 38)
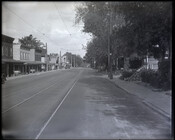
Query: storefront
point(9, 66)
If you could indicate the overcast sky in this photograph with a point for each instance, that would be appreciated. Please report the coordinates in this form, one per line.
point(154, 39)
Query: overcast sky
point(49, 22)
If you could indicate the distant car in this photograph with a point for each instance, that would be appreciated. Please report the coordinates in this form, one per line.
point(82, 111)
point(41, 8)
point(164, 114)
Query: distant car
point(16, 72)
point(3, 78)
point(32, 71)
point(67, 66)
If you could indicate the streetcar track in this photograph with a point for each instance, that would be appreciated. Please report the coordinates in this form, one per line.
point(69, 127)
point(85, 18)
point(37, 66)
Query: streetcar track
point(29, 98)
point(45, 125)
point(59, 105)
point(17, 90)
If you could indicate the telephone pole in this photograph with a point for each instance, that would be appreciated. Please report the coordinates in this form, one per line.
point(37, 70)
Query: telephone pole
point(60, 63)
point(47, 59)
point(74, 61)
point(110, 75)
point(71, 59)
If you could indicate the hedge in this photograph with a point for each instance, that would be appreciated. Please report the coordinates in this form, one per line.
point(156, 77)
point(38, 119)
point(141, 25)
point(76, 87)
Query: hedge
point(158, 79)
point(127, 74)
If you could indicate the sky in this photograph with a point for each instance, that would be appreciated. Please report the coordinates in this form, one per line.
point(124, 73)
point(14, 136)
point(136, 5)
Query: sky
point(50, 22)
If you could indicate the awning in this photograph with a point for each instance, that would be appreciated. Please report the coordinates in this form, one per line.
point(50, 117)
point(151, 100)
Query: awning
point(11, 60)
point(19, 61)
point(33, 62)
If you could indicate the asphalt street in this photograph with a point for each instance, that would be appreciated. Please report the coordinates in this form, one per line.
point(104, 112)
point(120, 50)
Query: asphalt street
point(77, 104)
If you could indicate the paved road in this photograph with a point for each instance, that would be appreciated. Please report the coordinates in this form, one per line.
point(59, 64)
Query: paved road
point(76, 103)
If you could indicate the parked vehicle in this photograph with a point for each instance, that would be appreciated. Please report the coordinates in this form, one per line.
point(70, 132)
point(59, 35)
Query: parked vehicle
point(16, 72)
point(32, 71)
point(67, 66)
point(3, 78)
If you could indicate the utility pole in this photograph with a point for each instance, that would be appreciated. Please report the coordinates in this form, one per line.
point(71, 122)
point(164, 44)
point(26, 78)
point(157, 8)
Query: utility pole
point(110, 75)
point(71, 60)
point(74, 61)
point(46, 56)
point(60, 60)
point(147, 59)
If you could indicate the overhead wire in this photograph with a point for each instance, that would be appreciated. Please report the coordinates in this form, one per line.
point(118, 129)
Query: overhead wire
point(62, 19)
point(43, 34)
point(64, 25)
point(22, 19)
point(28, 23)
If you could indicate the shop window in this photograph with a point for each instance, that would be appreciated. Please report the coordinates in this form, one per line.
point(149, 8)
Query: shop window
point(22, 55)
point(11, 52)
point(26, 56)
point(5, 51)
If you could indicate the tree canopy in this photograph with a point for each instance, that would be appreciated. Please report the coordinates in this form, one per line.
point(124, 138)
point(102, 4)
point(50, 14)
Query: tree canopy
point(73, 58)
point(31, 42)
point(136, 28)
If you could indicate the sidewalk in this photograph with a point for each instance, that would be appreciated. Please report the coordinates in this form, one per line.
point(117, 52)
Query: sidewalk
point(31, 74)
point(159, 101)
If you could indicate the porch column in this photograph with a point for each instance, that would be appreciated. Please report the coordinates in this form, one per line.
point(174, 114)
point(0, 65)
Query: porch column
point(37, 67)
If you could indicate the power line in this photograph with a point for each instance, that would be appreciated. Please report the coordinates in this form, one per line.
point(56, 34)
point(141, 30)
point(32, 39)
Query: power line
point(28, 23)
point(71, 50)
point(23, 20)
point(61, 18)
point(65, 26)
point(43, 34)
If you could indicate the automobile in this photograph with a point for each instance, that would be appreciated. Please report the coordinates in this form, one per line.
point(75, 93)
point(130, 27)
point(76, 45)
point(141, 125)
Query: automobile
point(16, 72)
point(67, 66)
point(3, 78)
point(32, 71)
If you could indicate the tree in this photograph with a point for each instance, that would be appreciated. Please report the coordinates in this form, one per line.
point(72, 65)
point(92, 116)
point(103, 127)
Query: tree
point(136, 27)
point(149, 23)
point(95, 16)
point(31, 42)
point(72, 58)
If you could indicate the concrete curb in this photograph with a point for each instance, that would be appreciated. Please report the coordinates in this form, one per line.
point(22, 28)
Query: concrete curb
point(148, 104)
point(31, 74)
point(113, 82)
point(157, 109)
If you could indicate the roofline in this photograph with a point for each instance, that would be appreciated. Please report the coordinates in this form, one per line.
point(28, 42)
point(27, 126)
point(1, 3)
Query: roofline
point(8, 37)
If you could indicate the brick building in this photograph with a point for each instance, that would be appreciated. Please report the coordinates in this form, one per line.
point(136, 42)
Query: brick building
point(7, 63)
point(30, 58)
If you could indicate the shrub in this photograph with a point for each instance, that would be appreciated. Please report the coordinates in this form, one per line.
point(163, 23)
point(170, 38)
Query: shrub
point(156, 79)
point(164, 66)
point(165, 74)
point(127, 74)
point(147, 75)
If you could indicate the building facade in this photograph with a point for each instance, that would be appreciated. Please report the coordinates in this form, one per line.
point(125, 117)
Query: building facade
point(7, 55)
point(44, 59)
point(53, 61)
point(30, 59)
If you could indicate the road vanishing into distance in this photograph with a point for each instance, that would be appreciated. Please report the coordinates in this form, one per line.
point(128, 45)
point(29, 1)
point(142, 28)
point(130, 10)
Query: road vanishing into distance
point(77, 104)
